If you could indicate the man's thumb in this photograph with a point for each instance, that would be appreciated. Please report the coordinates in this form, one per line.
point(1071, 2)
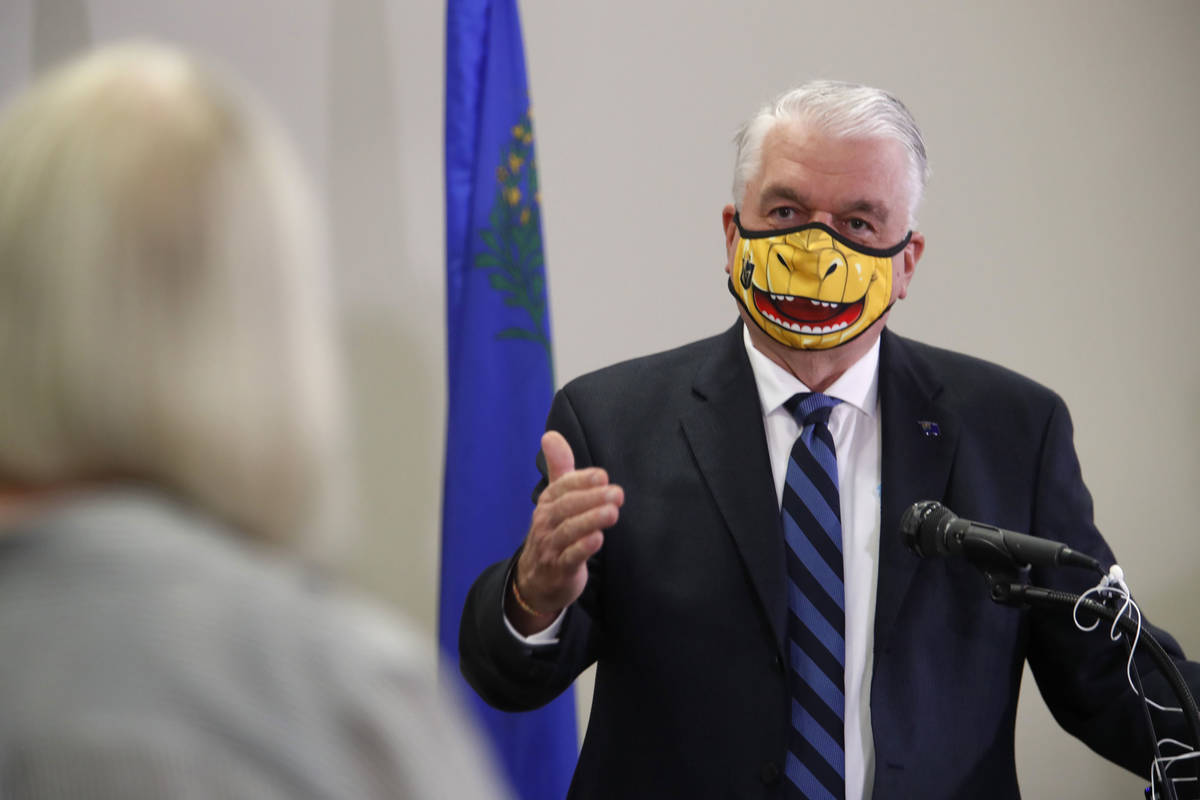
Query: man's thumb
point(559, 458)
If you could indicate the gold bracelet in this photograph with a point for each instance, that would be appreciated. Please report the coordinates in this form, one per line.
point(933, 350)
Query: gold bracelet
point(528, 609)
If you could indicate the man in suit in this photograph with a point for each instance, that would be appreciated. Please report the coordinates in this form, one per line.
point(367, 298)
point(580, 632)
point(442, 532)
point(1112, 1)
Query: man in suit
point(658, 549)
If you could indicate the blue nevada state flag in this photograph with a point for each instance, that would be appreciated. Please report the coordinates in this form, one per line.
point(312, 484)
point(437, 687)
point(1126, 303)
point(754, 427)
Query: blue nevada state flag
point(499, 357)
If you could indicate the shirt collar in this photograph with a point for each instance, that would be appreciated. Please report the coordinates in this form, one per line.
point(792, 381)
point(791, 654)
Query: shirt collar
point(858, 386)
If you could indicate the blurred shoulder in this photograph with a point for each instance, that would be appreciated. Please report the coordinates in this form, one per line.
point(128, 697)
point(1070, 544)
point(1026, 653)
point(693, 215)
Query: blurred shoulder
point(182, 637)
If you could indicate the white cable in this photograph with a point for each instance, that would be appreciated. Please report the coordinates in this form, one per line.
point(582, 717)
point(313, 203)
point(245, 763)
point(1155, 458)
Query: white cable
point(1113, 585)
point(1160, 766)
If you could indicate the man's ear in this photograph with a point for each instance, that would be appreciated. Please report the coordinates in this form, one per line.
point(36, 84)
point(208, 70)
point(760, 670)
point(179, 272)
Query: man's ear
point(731, 233)
point(908, 265)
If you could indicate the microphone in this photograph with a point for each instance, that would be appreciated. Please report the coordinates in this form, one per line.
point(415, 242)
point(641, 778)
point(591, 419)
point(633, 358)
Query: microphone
point(931, 529)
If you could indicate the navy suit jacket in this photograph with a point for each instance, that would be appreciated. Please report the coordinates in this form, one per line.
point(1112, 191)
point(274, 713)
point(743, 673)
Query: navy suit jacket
point(685, 606)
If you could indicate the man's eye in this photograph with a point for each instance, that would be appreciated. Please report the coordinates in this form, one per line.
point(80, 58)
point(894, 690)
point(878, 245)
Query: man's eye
point(783, 213)
point(858, 225)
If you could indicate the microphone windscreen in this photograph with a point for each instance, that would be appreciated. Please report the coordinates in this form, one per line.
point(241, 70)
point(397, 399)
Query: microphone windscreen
point(920, 523)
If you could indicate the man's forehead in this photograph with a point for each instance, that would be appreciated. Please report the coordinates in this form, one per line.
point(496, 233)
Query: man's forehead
point(869, 173)
point(792, 140)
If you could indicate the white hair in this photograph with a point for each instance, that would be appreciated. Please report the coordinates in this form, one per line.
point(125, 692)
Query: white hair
point(164, 307)
point(839, 109)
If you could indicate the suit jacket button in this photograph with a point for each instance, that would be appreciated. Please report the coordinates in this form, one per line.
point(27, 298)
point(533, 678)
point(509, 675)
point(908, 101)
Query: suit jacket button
point(779, 662)
point(769, 773)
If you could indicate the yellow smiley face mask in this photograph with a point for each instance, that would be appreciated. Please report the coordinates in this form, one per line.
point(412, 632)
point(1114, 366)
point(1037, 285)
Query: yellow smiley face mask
point(810, 288)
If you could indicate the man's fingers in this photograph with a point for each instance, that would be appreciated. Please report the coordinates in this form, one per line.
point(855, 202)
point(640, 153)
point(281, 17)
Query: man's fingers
point(560, 525)
point(557, 523)
point(577, 501)
point(579, 526)
point(588, 478)
point(581, 551)
point(559, 458)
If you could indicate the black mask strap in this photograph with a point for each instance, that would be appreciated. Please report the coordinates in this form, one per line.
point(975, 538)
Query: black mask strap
point(886, 252)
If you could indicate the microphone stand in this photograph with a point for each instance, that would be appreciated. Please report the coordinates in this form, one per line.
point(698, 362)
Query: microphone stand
point(1008, 589)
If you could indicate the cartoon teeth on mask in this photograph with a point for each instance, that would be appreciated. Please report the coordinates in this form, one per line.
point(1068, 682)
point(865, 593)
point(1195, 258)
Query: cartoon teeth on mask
point(810, 288)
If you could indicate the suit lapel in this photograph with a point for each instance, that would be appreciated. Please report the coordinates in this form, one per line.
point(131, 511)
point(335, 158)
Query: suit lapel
point(724, 429)
point(920, 436)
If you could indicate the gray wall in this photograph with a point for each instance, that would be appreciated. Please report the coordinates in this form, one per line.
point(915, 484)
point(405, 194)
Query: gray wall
point(1061, 220)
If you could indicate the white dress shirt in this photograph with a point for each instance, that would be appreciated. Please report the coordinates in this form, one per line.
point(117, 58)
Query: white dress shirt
point(854, 424)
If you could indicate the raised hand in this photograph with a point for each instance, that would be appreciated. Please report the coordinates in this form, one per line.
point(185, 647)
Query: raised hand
point(567, 529)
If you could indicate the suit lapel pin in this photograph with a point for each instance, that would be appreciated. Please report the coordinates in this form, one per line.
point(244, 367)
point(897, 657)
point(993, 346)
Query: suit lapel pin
point(929, 428)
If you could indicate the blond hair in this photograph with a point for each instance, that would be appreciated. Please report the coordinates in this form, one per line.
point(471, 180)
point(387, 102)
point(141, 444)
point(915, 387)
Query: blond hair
point(164, 309)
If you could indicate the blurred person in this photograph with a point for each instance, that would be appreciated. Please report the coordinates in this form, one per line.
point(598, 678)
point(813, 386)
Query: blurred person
point(170, 444)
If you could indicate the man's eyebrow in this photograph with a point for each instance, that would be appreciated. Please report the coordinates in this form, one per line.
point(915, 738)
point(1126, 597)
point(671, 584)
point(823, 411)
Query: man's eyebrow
point(782, 192)
point(868, 207)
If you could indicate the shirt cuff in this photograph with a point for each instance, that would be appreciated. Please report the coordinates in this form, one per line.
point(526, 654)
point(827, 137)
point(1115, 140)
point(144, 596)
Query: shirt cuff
point(543, 637)
point(548, 636)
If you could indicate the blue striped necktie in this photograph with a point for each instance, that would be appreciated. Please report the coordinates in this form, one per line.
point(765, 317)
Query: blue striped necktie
point(812, 528)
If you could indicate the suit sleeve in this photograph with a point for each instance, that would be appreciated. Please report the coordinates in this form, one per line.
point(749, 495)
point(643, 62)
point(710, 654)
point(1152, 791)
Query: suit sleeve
point(1082, 675)
point(507, 673)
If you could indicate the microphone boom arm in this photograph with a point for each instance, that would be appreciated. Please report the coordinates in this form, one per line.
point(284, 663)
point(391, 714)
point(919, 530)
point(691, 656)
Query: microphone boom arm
point(1007, 591)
